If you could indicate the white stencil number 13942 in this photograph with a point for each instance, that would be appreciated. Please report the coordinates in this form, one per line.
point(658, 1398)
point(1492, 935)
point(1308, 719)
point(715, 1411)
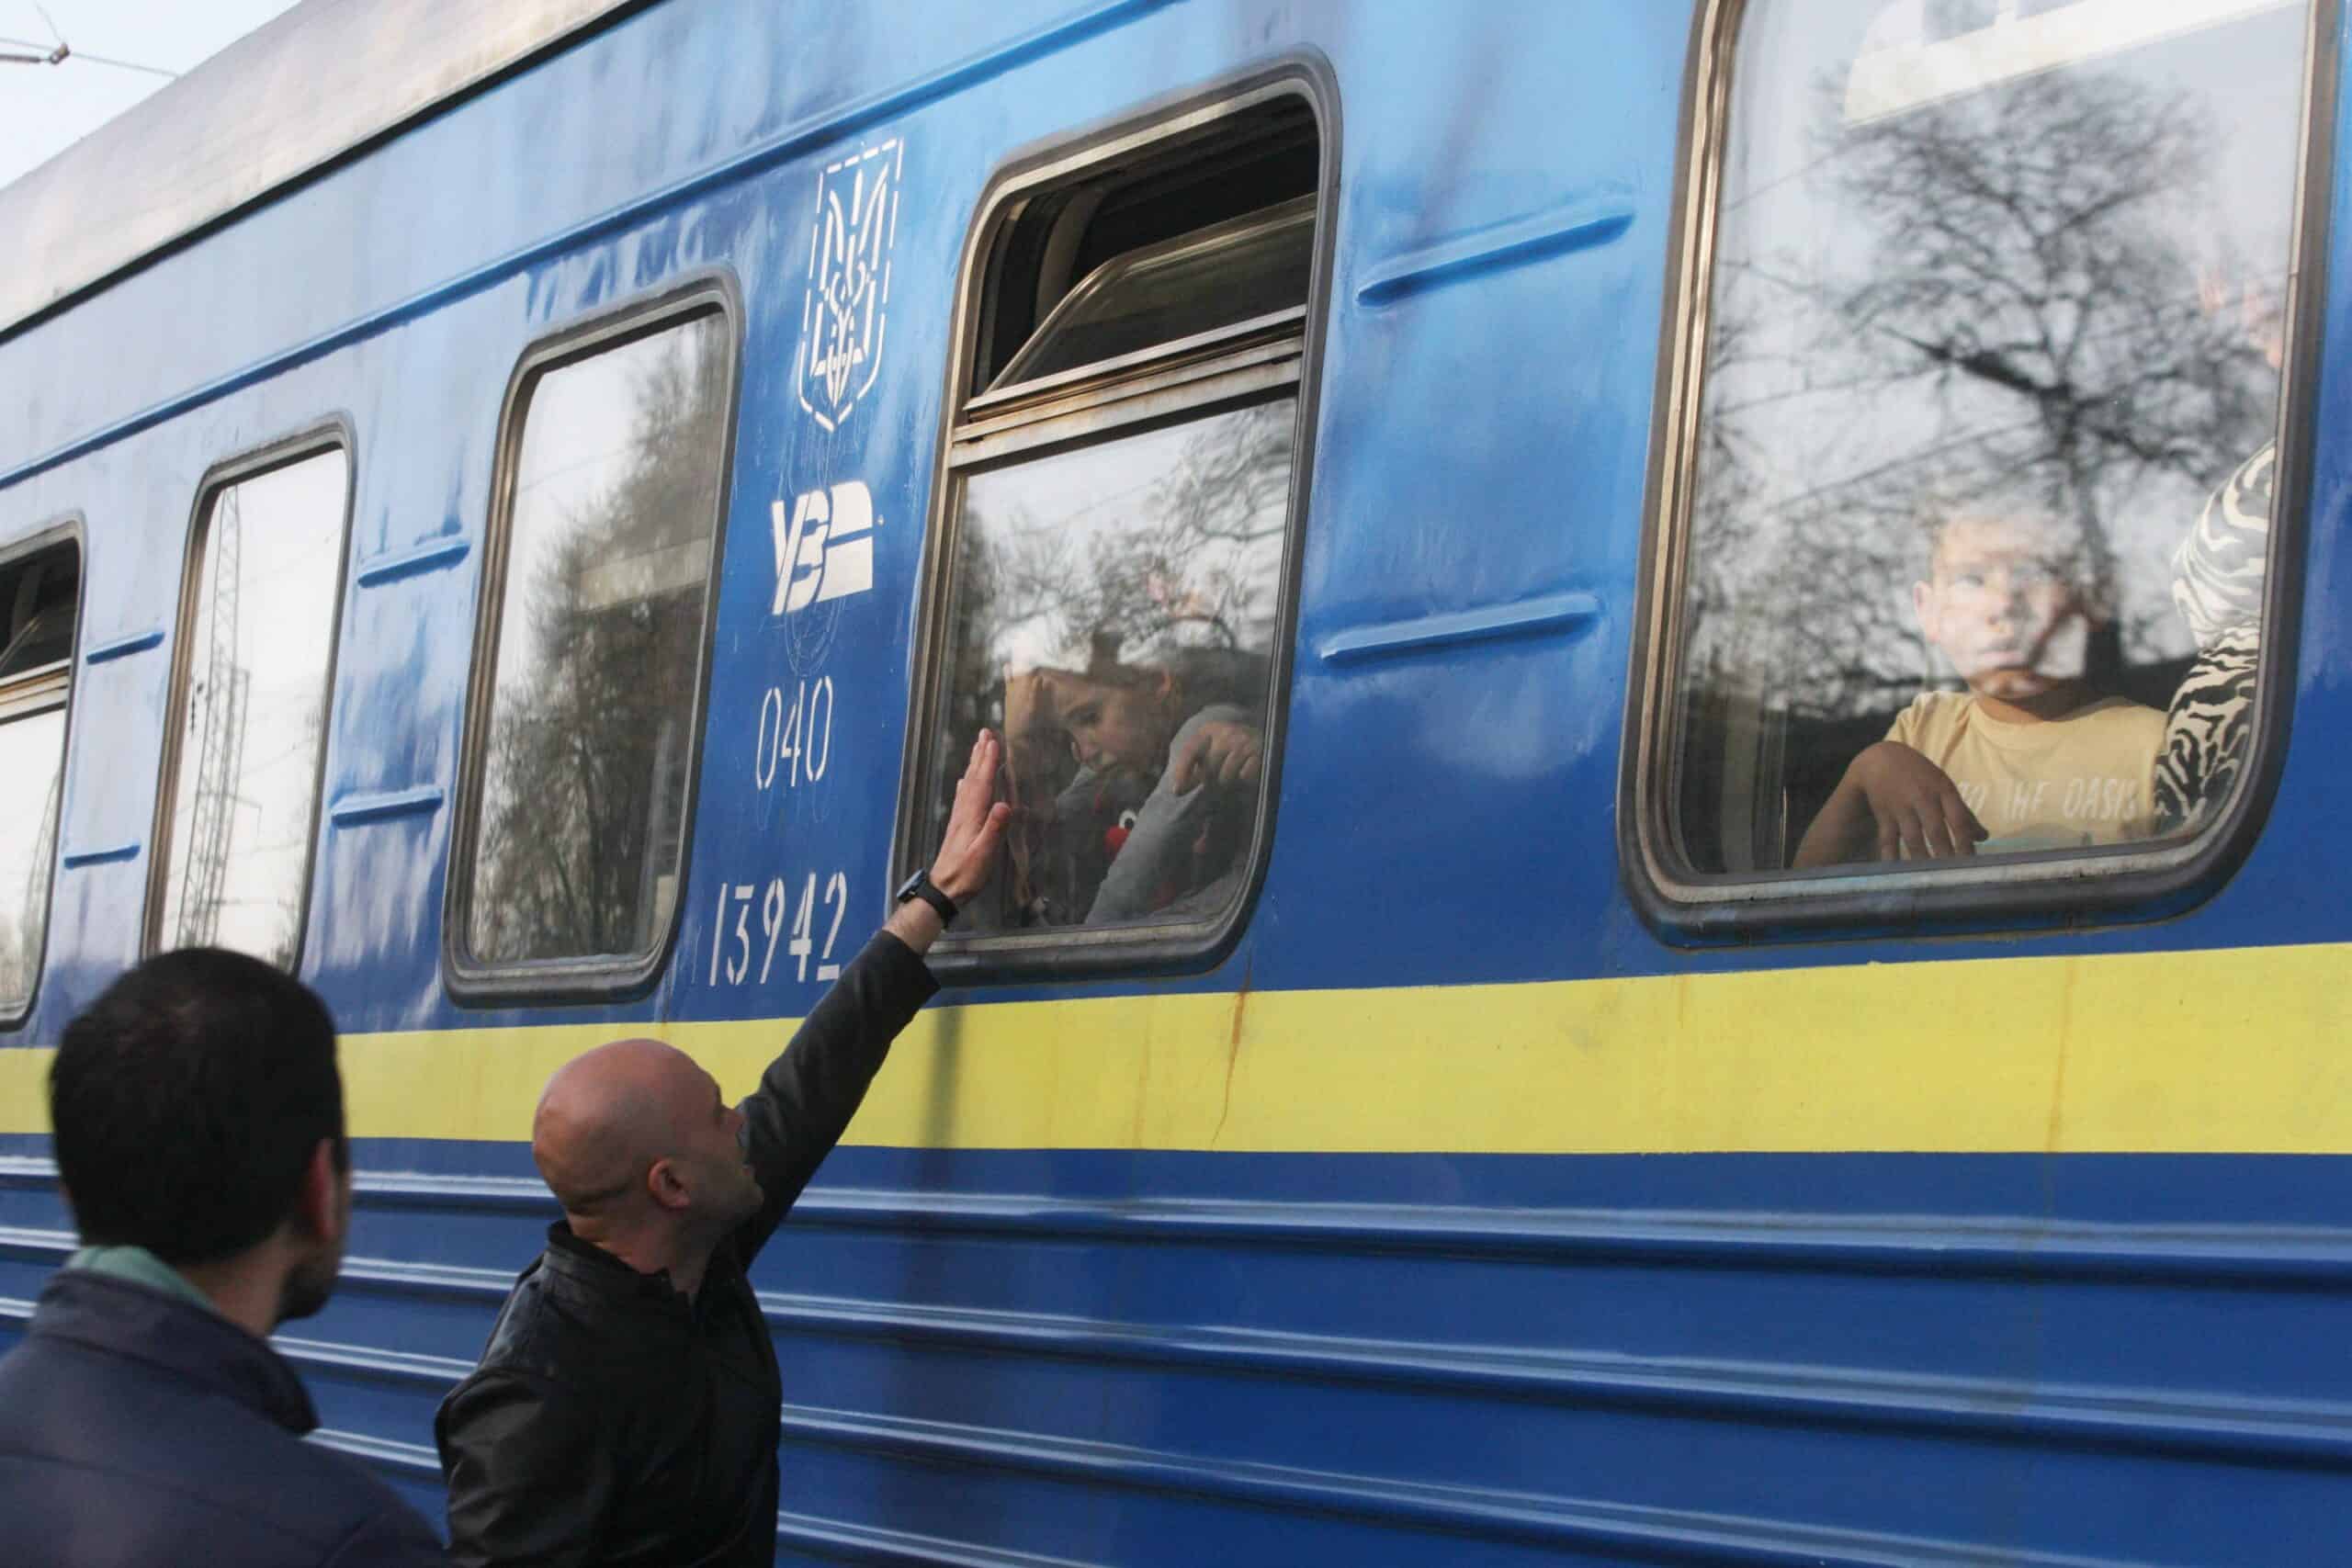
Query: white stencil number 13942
point(732, 943)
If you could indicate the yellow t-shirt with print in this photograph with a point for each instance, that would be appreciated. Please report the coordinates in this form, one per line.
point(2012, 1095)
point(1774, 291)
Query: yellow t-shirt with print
point(2060, 783)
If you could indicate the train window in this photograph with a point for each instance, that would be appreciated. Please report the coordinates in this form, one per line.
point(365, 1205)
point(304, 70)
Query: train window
point(1971, 563)
point(1253, 267)
point(1109, 577)
point(256, 659)
point(591, 657)
point(39, 601)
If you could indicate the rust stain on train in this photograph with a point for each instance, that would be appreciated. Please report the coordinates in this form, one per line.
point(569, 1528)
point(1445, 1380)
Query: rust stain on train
point(1233, 1050)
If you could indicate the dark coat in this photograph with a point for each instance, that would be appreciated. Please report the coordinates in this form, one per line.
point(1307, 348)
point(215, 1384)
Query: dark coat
point(139, 1430)
point(612, 1421)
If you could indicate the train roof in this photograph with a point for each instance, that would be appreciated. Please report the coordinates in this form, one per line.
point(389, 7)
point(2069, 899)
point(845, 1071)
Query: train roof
point(284, 101)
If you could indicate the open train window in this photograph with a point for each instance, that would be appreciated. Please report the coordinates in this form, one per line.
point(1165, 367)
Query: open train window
point(40, 602)
point(1116, 527)
point(238, 815)
point(585, 719)
point(1962, 569)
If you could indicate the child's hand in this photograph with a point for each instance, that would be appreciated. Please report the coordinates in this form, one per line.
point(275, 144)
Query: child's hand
point(1219, 752)
point(1913, 806)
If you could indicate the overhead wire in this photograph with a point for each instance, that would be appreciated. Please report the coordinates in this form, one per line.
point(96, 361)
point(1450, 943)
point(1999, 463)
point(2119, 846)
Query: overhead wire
point(125, 64)
point(59, 52)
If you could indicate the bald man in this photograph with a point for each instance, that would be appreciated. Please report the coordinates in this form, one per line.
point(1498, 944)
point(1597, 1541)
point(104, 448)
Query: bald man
point(628, 1409)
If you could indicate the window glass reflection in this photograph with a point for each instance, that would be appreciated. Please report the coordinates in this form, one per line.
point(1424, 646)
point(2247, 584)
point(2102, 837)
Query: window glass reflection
point(1233, 273)
point(32, 767)
point(1114, 617)
point(1981, 500)
point(38, 598)
point(258, 646)
point(592, 724)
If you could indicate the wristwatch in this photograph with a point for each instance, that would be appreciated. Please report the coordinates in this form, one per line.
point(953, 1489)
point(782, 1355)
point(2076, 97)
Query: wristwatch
point(919, 886)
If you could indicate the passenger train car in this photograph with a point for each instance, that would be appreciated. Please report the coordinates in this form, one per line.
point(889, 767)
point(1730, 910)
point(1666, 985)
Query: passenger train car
point(512, 512)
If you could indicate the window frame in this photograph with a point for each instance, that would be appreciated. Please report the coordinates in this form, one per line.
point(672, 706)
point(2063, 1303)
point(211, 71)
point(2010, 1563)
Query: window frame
point(2024, 891)
point(332, 435)
point(68, 528)
point(1256, 360)
point(594, 977)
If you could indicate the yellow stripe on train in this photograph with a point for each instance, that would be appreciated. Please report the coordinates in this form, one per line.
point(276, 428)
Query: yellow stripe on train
point(2236, 1051)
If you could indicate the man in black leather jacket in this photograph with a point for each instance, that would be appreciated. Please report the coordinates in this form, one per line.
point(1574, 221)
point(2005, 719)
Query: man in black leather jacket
point(627, 1408)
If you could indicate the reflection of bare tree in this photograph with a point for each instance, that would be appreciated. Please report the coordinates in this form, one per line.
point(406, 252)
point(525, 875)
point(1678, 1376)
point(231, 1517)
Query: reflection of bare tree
point(2021, 305)
point(1980, 294)
point(1189, 563)
point(584, 778)
point(1187, 566)
point(2025, 244)
point(1175, 568)
point(1792, 598)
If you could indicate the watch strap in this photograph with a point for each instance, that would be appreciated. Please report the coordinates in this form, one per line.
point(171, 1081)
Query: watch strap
point(919, 886)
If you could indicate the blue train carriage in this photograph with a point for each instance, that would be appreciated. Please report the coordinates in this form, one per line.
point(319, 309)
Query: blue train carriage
point(517, 519)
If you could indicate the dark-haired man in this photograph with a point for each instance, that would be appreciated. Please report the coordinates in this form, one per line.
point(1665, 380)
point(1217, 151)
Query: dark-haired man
point(626, 1411)
point(198, 1119)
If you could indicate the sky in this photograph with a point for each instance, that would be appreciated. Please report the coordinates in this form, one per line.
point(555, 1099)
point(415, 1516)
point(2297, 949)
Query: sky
point(46, 108)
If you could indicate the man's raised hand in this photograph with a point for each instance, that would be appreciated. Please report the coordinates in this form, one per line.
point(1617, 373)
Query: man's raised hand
point(974, 825)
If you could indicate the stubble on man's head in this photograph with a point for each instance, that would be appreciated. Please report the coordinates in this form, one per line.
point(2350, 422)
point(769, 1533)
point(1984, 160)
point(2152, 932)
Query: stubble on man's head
point(603, 1120)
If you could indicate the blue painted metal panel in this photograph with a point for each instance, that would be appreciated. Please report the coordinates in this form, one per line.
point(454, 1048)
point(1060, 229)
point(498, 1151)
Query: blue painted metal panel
point(1118, 1358)
point(1016, 1356)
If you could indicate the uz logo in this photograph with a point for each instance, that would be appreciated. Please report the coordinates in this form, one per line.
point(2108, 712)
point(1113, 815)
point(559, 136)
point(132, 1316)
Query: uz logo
point(816, 556)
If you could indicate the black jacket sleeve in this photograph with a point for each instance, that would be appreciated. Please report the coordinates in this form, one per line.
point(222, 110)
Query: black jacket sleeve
point(529, 1472)
point(390, 1542)
point(808, 1095)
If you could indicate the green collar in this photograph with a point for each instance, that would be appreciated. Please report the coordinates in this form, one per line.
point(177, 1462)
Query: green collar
point(139, 1267)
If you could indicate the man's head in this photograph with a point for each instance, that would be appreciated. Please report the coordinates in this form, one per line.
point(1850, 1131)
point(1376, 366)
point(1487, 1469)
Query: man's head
point(634, 1139)
point(2008, 597)
point(197, 1114)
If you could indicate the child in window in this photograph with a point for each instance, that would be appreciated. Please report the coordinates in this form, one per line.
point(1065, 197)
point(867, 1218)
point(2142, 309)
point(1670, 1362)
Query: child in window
point(2029, 757)
point(1169, 757)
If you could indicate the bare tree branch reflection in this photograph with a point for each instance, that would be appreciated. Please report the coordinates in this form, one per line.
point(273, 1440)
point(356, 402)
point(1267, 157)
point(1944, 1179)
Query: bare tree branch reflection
point(584, 780)
point(2021, 303)
point(1186, 562)
point(2026, 245)
point(1997, 285)
point(1169, 562)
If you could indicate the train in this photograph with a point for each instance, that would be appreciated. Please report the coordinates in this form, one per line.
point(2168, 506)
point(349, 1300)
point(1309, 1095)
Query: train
point(516, 514)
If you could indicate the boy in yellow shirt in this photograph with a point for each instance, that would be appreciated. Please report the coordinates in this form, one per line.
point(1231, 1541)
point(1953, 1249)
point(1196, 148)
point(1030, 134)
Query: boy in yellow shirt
point(2029, 757)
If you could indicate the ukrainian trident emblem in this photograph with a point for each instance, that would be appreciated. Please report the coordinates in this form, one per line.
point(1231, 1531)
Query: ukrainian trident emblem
point(849, 282)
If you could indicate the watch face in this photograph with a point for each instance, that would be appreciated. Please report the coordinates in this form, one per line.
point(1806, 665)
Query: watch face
point(907, 888)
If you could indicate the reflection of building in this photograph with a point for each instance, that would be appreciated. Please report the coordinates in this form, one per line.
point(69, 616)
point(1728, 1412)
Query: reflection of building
point(20, 942)
point(217, 724)
point(640, 583)
point(31, 916)
point(1924, 51)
